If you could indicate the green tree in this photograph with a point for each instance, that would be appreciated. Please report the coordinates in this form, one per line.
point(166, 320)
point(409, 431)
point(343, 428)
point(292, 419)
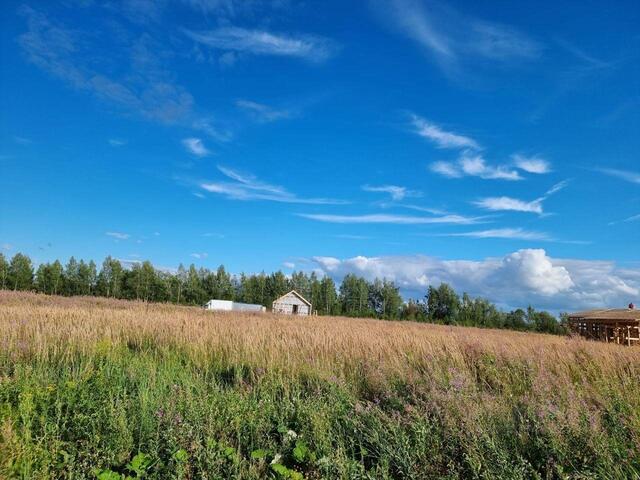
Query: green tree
point(479, 312)
point(225, 287)
point(516, 320)
point(72, 277)
point(20, 273)
point(194, 293)
point(391, 300)
point(299, 282)
point(86, 277)
point(109, 281)
point(543, 322)
point(327, 303)
point(4, 272)
point(277, 285)
point(443, 304)
point(354, 296)
point(413, 311)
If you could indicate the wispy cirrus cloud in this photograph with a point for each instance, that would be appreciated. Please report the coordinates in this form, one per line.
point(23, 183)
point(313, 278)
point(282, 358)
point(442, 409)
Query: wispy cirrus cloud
point(474, 165)
point(396, 192)
point(471, 162)
point(144, 86)
point(382, 218)
point(262, 112)
point(632, 218)
point(629, 176)
point(453, 39)
point(517, 205)
point(510, 204)
point(312, 48)
point(531, 164)
point(196, 147)
point(441, 137)
point(506, 233)
point(248, 187)
point(199, 256)
point(117, 142)
point(118, 235)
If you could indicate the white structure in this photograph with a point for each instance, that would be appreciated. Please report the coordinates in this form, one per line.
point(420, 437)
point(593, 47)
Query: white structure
point(292, 303)
point(228, 306)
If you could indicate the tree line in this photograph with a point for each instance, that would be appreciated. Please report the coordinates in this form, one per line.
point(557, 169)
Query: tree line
point(355, 297)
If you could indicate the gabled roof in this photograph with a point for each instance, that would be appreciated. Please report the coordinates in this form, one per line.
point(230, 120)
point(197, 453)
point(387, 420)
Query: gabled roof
point(608, 314)
point(296, 294)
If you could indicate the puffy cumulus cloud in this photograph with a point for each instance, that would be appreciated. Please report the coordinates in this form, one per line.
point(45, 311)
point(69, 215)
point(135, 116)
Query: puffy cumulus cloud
point(534, 270)
point(528, 276)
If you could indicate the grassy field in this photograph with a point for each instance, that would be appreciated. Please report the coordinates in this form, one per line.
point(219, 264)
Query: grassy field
point(109, 389)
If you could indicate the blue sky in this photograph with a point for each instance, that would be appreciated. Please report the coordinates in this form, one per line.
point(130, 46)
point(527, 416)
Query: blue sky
point(492, 145)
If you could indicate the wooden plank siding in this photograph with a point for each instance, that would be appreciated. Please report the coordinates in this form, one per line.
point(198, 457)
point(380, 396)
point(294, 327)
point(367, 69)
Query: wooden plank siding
point(292, 303)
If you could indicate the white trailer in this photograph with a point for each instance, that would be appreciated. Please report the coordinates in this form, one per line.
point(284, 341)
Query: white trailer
point(229, 306)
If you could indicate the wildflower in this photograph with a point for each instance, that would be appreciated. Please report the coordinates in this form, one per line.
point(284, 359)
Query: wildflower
point(291, 435)
point(276, 459)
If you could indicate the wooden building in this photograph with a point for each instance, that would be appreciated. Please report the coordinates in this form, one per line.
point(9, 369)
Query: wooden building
point(292, 303)
point(616, 325)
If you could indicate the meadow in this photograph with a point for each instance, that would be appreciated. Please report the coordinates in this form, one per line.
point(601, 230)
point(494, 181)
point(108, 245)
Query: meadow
point(113, 389)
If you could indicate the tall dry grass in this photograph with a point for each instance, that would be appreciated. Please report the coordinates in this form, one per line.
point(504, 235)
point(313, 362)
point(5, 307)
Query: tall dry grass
point(501, 394)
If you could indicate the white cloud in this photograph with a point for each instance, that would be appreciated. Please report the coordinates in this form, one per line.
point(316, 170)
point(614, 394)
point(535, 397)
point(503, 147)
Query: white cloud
point(248, 187)
point(7, 246)
point(23, 140)
point(116, 142)
point(260, 42)
point(118, 235)
point(510, 204)
point(396, 192)
point(146, 87)
point(289, 265)
point(510, 233)
point(261, 112)
point(524, 277)
point(627, 175)
point(348, 236)
point(199, 256)
point(453, 39)
point(474, 165)
point(440, 137)
point(632, 218)
point(195, 147)
point(447, 169)
point(516, 205)
point(531, 164)
point(392, 219)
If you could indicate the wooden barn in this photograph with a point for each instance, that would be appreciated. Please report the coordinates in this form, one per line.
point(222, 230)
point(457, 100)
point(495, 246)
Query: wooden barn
point(616, 325)
point(292, 303)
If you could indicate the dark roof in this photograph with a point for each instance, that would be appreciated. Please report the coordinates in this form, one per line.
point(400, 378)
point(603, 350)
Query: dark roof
point(608, 314)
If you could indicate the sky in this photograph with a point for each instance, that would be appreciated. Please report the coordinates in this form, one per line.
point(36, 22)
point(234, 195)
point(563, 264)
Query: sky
point(490, 145)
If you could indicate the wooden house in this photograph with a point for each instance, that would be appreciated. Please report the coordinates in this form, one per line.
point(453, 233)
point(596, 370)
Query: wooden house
point(616, 325)
point(292, 303)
